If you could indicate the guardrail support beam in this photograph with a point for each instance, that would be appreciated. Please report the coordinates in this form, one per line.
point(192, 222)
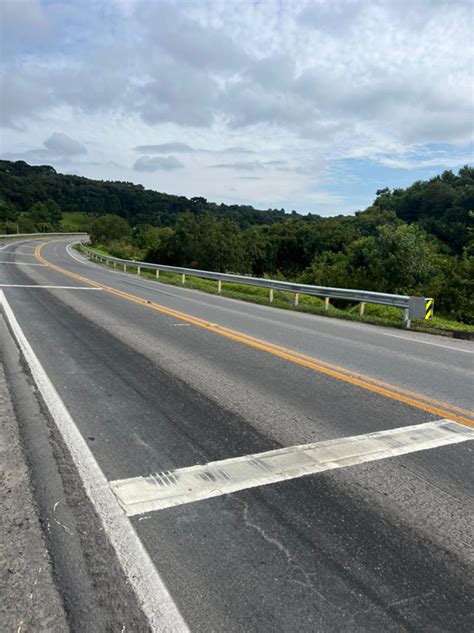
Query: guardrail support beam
point(406, 318)
point(183, 279)
point(326, 303)
point(125, 268)
point(219, 286)
point(157, 273)
point(270, 297)
point(361, 309)
point(138, 270)
point(297, 298)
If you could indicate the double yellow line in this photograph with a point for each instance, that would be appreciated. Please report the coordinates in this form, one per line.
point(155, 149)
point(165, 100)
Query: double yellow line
point(406, 396)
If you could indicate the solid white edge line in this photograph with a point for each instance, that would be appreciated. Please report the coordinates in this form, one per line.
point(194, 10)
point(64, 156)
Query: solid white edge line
point(84, 261)
point(415, 340)
point(153, 596)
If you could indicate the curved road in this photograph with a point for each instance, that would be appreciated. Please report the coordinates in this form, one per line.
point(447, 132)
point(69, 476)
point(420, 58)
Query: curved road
point(158, 379)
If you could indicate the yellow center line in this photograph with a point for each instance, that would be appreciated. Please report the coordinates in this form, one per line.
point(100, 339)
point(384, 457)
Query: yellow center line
point(411, 398)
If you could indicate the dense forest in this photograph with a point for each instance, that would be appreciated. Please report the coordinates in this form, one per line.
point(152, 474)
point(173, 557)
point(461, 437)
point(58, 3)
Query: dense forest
point(417, 240)
point(23, 185)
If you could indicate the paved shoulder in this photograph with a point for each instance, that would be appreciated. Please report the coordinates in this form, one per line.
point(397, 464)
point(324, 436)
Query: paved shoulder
point(30, 600)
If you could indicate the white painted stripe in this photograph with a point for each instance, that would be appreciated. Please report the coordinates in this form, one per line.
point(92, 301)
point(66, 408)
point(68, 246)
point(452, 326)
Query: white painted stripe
point(53, 287)
point(16, 242)
point(21, 251)
point(157, 604)
point(83, 261)
point(171, 488)
point(22, 263)
point(416, 340)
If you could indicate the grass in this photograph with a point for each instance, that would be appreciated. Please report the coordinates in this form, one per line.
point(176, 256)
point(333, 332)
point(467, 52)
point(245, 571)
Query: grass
point(374, 314)
point(75, 221)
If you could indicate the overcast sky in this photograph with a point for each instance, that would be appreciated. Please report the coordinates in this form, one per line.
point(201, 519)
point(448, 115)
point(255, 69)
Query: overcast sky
point(310, 106)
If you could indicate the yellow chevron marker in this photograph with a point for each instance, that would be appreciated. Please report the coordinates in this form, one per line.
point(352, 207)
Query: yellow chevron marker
point(429, 307)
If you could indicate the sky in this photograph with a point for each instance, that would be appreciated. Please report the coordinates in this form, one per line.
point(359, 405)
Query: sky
point(294, 104)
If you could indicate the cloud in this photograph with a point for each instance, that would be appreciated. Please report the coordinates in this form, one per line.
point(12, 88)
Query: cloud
point(250, 165)
point(178, 94)
point(187, 40)
point(331, 17)
point(22, 23)
point(63, 145)
point(237, 150)
point(157, 163)
point(165, 148)
point(240, 166)
point(57, 147)
point(309, 82)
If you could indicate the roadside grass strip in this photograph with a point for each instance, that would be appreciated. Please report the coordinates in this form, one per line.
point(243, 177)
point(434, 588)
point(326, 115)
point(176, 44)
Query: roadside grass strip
point(186, 485)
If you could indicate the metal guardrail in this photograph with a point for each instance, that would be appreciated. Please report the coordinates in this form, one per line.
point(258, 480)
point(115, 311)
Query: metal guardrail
point(13, 236)
point(412, 306)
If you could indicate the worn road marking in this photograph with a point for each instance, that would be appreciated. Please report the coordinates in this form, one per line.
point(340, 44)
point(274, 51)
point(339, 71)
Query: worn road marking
point(23, 263)
point(19, 251)
point(416, 340)
point(411, 398)
point(185, 485)
point(84, 262)
point(53, 287)
point(157, 604)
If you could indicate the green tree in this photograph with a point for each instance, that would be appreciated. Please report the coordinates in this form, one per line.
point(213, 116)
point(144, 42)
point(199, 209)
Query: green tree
point(109, 227)
point(397, 259)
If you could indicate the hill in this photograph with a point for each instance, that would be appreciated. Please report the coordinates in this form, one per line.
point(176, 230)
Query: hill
point(23, 185)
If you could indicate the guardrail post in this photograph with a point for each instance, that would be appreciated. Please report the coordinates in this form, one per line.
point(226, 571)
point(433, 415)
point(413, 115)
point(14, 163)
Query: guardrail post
point(297, 298)
point(183, 279)
point(326, 303)
point(125, 268)
point(406, 318)
point(270, 297)
point(138, 270)
point(219, 286)
point(361, 309)
point(115, 264)
point(157, 273)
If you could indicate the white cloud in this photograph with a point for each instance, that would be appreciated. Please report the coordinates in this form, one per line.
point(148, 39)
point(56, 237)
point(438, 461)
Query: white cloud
point(165, 148)
point(157, 163)
point(304, 82)
point(63, 145)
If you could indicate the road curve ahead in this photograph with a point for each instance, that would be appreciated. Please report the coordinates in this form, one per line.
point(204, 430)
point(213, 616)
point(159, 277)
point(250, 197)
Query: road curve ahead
point(267, 470)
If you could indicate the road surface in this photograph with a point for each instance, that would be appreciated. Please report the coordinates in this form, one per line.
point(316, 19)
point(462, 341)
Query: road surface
point(157, 379)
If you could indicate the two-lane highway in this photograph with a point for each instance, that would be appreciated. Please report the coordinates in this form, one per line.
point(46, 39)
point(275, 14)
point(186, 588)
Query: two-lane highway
point(354, 533)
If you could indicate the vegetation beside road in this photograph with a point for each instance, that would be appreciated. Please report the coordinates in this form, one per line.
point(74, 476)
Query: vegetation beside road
point(416, 241)
point(375, 314)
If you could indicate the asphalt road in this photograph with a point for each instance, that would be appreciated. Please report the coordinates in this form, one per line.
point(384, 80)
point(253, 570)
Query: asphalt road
point(385, 544)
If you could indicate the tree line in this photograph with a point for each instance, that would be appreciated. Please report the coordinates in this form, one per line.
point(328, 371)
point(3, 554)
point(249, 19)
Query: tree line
point(417, 240)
